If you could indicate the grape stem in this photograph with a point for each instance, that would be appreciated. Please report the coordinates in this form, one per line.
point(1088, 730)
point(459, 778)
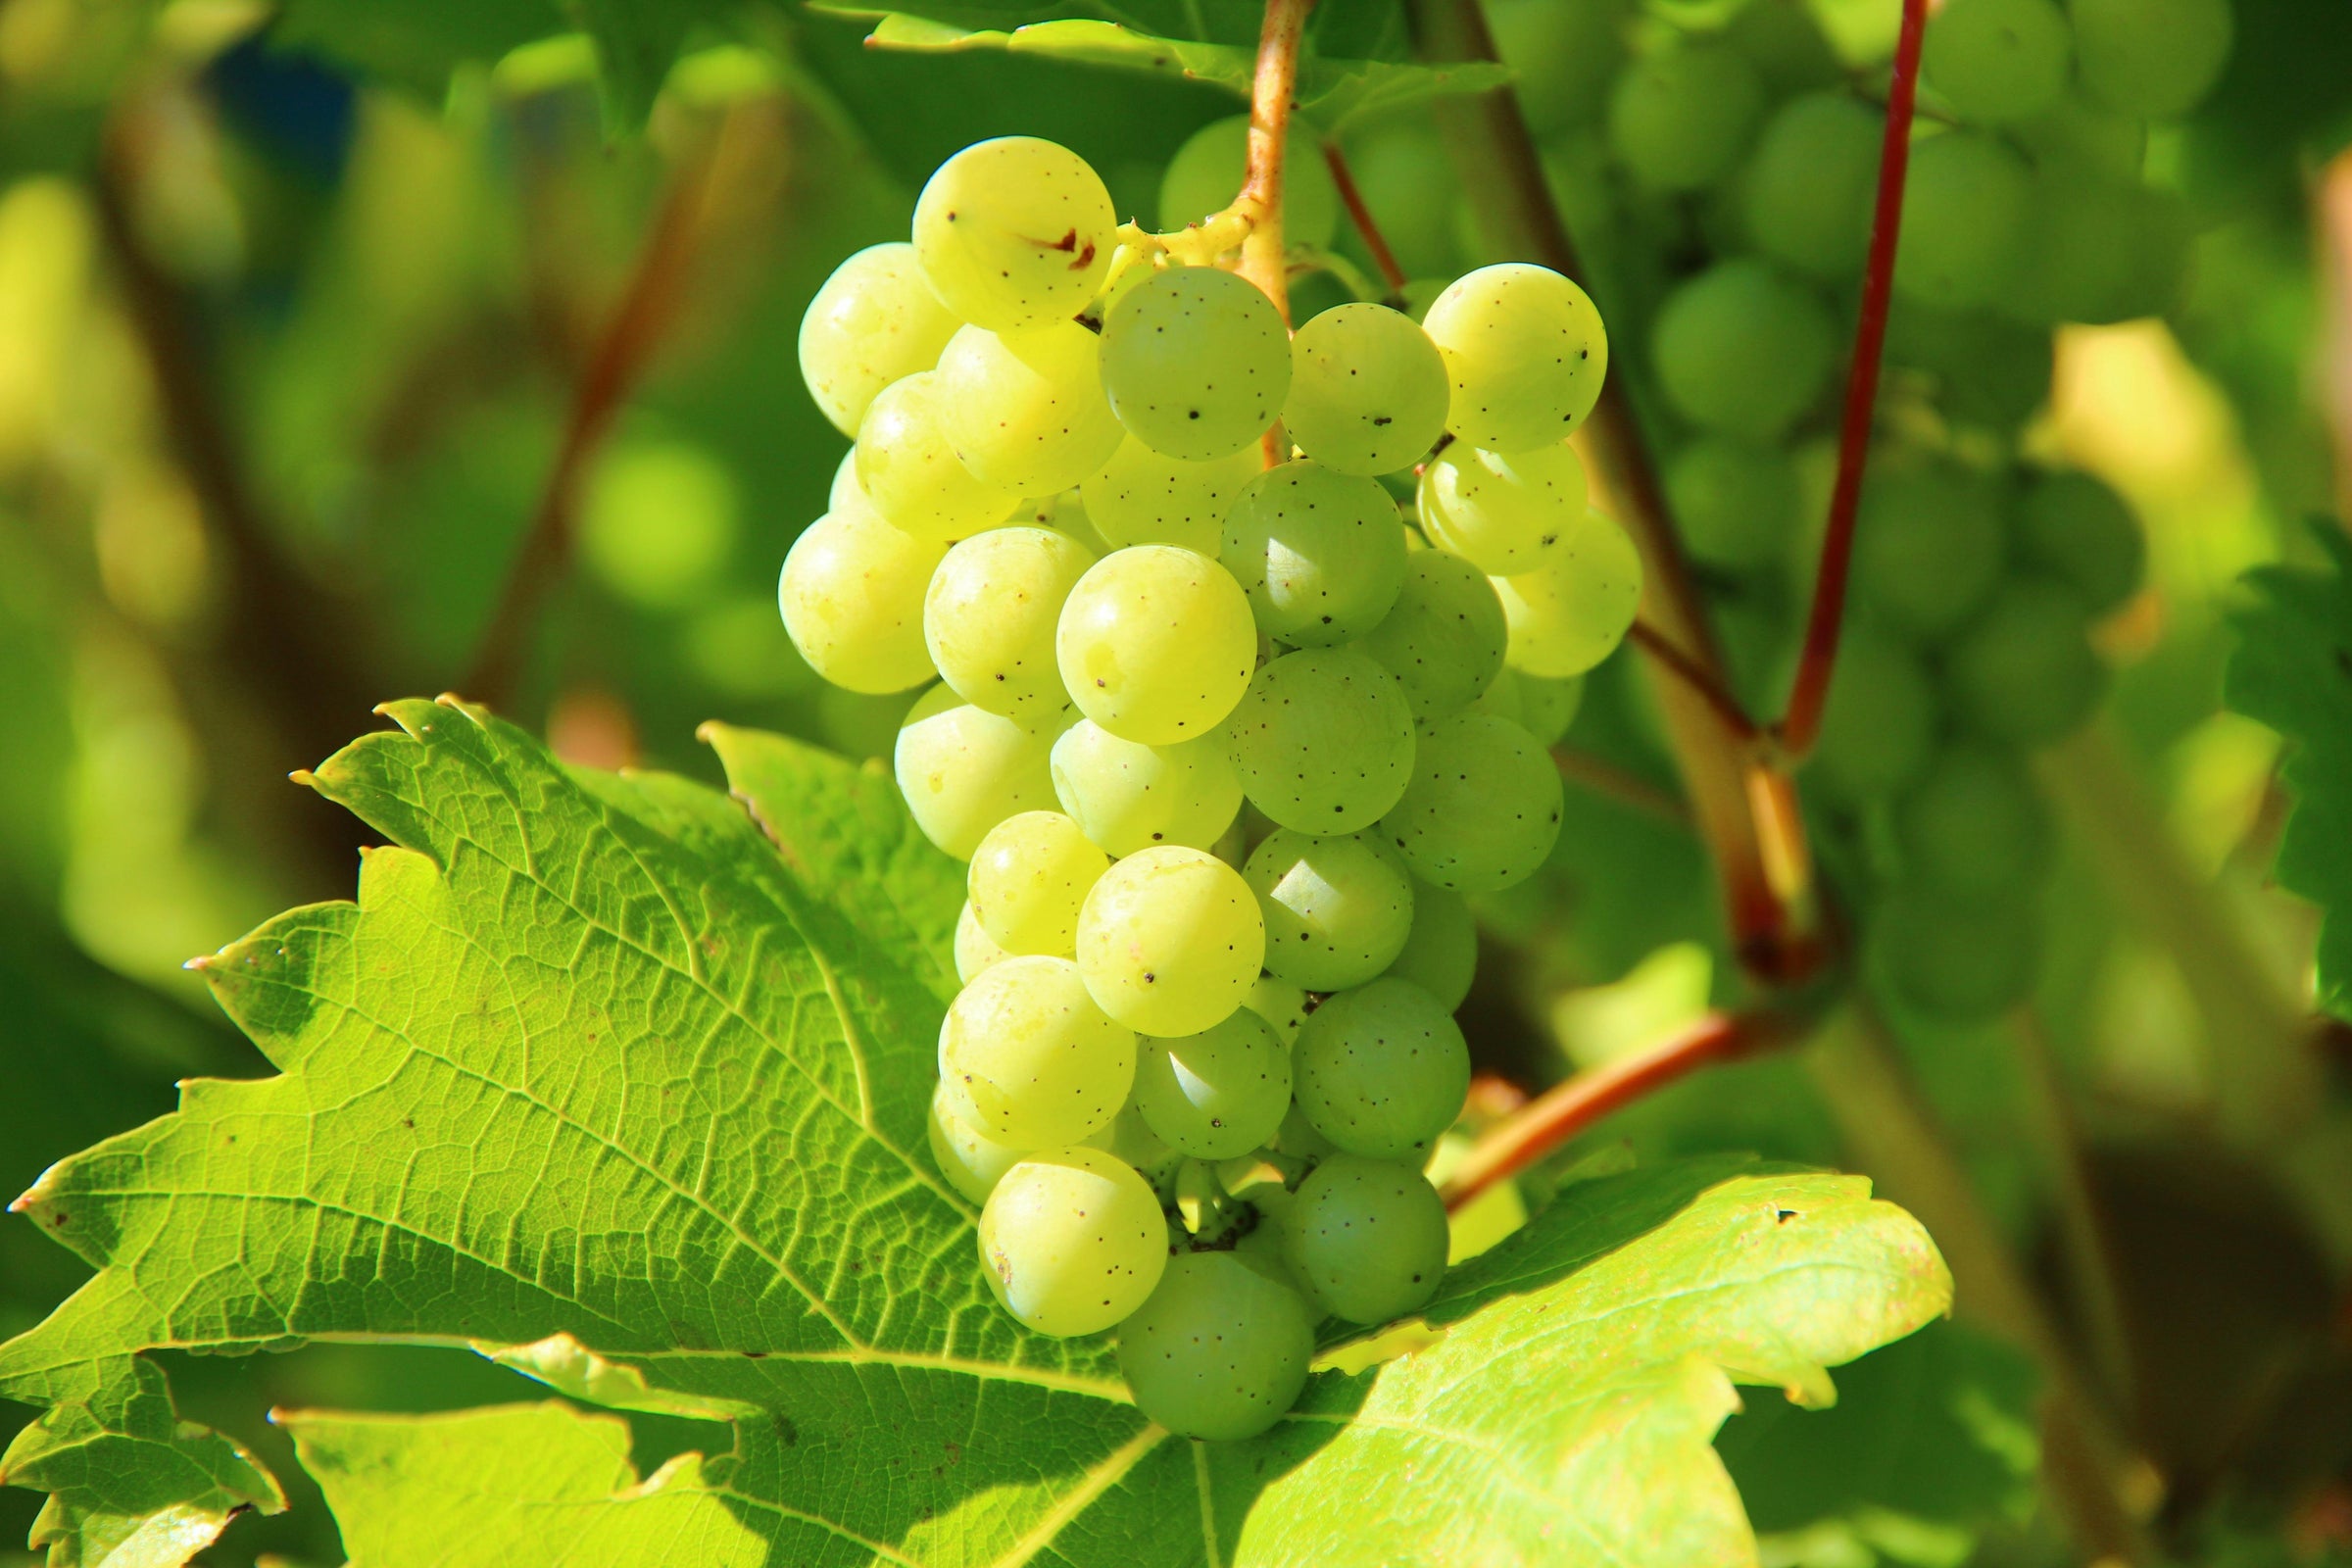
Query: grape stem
point(1361, 216)
point(1800, 726)
point(1622, 785)
point(1273, 90)
point(1702, 681)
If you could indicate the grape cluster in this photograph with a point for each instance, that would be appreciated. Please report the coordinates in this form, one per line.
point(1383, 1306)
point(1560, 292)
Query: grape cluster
point(1139, 533)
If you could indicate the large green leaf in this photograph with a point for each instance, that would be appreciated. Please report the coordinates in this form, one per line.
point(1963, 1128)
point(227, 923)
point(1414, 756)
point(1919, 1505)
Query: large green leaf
point(596, 1077)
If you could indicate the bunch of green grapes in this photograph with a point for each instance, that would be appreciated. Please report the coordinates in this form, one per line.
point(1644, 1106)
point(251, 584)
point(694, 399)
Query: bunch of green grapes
point(1137, 534)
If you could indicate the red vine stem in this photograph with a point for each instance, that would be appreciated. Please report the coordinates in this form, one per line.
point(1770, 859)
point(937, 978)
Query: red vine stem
point(1801, 726)
point(1662, 648)
point(1361, 216)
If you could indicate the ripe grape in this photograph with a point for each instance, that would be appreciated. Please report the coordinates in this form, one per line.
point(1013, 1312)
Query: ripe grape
point(1963, 960)
point(1073, 1240)
point(1525, 353)
point(1964, 220)
point(1369, 392)
point(1880, 720)
point(1483, 809)
point(1218, 1093)
point(1206, 172)
point(1015, 233)
point(2024, 672)
point(1028, 879)
point(1502, 511)
point(1127, 797)
point(1197, 363)
point(1785, 45)
point(1807, 193)
point(1974, 824)
point(1548, 707)
point(1283, 1006)
point(909, 473)
point(1744, 350)
point(1440, 952)
point(1382, 1069)
point(1562, 57)
point(1572, 611)
point(2154, 58)
point(1998, 60)
point(1444, 637)
point(1320, 552)
point(1131, 1140)
point(1928, 545)
point(964, 769)
point(1028, 1057)
point(975, 948)
point(1170, 941)
point(1337, 909)
point(2074, 525)
point(1735, 504)
point(1141, 498)
point(972, 1161)
point(874, 320)
point(1681, 118)
point(990, 614)
point(1322, 740)
point(852, 595)
point(1367, 1236)
point(1396, 164)
point(1220, 1350)
point(1027, 409)
point(1155, 644)
point(2085, 137)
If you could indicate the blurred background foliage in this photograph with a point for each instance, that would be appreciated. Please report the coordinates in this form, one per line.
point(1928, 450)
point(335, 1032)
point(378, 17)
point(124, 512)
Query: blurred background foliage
point(318, 322)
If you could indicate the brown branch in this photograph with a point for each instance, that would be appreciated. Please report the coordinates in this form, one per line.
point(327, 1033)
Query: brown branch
point(1361, 216)
point(1627, 788)
point(1273, 92)
point(1702, 681)
point(1801, 726)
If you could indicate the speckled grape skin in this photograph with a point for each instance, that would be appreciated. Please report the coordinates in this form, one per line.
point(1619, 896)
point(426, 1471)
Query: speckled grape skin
point(1369, 392)
point(1029, 1060)
point(1197, 363)
point(1368, 1238)
point(1338, 910)
point(1126, 795)
point(1525, 353)
point(975, 948)
point(1502, 511)
point(1015, 233)
point(964, 769)
point(1572, 611)
point(910, 474)
point(1382, 1069)
point(989, 615)
point(852, 595)
point(1220, 1350)
point(1320, 552)
point(1444, 637)
point(1141, 497)
point(1028, 880)
point(1482, 809)
point(1072, 1240)
point(1155, 644)
point(1218, 1093)
point(971, 1161)
point(1170, 941)
point(1027, 409)
point(874, 320)
point(1322, 740)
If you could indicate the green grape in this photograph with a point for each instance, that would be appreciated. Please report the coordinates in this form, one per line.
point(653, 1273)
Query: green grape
point(1880, 721)
point(1963, 219)
point(845, 491)
point(1382, 1069)
point(1130, 1140)
point(1028, 879)
point(1066, 514)
point(2153, 58)
point(909, 473)
point(1482, 809)
point(1367, 1236)
point(1743, 351)
point(1961, 959)
point(1322, 741)
point(975, 948)
point(1444, 638)
point(1127, 797)
point(1785, 45)
point(1337, 909)
point(2085, 137)
point(2024, 672)
point(1155, 644)
point(1397, 165)
point(1028, 1057)
point(1197, 363)
point(1206, 172)
point(1502, 511)
point(1548, 707)
point(972, 1161)
point(874, 320)
point(1440, 952)
point(1572, 611)
point(1993, 372)
point(2075, 526)
point(1562, 57)
point(1218, 1093)
point(1808, 193)
point(1369, 392)
point(1974, 824)
point(990, 614)
point(1220, 1351)
point(1015, 233)
point(964, 769)
point(1525, 353)
point(1999, 60)
point(852, 595)
point(1141, 498)
point(1283, 1006)
point(1027, 409)
point(1500, 700)
point(1170, 941)
point(1928, 545)
point(1736, 505)
point(2099, 250)
point(1073, 1240)
point(1320, 552)
point(1681, 118)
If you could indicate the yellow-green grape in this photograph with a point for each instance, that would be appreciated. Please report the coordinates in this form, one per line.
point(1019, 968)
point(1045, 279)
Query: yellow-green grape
point(1015, 233)
point(1368, 390)
point(845, 490)
point(874, 320)
point(972, 1161)
point(1028, 878)
point(1026, 409)
point(990, 614)
point(1126, 795)
point(1482, 809)
point(1744, 350)
point(1682, 118)
point(1072, 1240)
point(1525, 353)
point(1323, 740)
point(1027, 1058)
point(1337, 909)
point(1322, 554)
point(1966, 204)
point(1998, 60)
point(1444, 640)
point(1548, 707)
point(1220, 1351)
point(2157, 57)
point(1382, 1069)
point(1065, 513)
point(1929, 542)
point(1141, 498)
point(1170, 941)
point(909, 473)
point(1130, 1138)
point(1197, 363)
point(1806, 194)
point(1879, 722)
point(852, 595)
point(1218, 1093)
point(1502, 511)
point(964, 769)
point(975, 948)
point(1441, 953)
point(1282, 1004)
point(1155, 644)
point(1572, 611)
point(1501, 700)
point(1206, 172)
point(1368, 1238)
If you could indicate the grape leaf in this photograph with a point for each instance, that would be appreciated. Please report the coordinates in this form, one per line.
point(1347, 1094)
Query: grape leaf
point(2292, 670)
point(599, 1079)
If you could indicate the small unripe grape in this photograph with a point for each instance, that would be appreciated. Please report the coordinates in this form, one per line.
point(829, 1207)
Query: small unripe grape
point(1368, 390)
point(1441, 953)
point(1170, 941)
point(1126, 795)
point(989, 615)
point(964, 769)
point(1502, 511)
point(1808, 193)
point(1028, 879)
point(1323, 740)
point(1337, 909)
point(1681, 118)
point(1368, 1238)
point(911, 473)
point(1962, 959)
point(1072, 1240)
point(1570, 611)
point(1525, 353)
point(1880, 721)
point(1444, 637)
point(2098, 249)
point(1997, 61)
point(1015, 233)
point(874, 320)
point(1382, 1069)
point(971, 1161)
point(1141, 498)
point(2154, 58)
point(1029, 1060)
point(1206, 172)
point(1735, 504)
point(1197, 363)
point(1027, 409)
point(1785, 44)
point(1964, 220)
point(1221, 1348)
point(1928, 545)
point(1483, 809)
point(2077, 527)
point(1218, 1093)
point(1973, 824)
point(2024, 672)
point(1320, 552)
point(1155, 644)
point(852, 595)
point(1565, 57)
point(1744, 350)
